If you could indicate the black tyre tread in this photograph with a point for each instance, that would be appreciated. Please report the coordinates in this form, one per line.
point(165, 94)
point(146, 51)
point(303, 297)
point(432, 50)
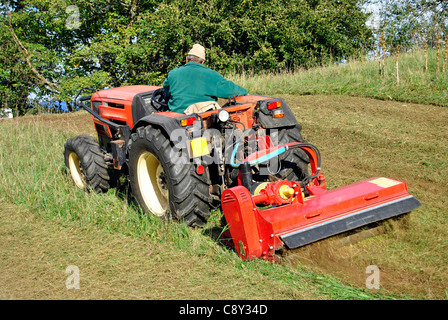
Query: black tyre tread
point(294, 163)
point(92, 161)
point(189, 196)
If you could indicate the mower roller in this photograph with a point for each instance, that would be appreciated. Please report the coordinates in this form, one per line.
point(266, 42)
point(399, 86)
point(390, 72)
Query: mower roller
point(249, 157)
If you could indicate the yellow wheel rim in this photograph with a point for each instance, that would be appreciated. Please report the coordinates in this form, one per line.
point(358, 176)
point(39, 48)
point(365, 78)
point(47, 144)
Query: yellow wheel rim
point(152, 183)
point(75, 170)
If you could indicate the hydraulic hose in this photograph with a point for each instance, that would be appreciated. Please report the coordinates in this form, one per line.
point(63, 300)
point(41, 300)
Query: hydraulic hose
point(279, 151)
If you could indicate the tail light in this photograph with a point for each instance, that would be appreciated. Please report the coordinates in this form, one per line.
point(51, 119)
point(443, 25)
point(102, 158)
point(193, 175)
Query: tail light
point(278, 114)
point(187, 122)
point(274, 105)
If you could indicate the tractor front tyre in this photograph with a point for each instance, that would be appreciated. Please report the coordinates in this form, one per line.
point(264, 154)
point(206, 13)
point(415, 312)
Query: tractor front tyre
point(86, 164)
point(163, 182)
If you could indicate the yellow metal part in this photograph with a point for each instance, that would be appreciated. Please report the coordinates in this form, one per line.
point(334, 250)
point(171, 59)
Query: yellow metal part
point(286, 191)
point(384, 182)
point(260, 187)
point(199, 147)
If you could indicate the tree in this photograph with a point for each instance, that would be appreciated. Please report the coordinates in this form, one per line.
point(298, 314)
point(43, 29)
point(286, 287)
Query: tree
point(55, 47)
point(408, 23)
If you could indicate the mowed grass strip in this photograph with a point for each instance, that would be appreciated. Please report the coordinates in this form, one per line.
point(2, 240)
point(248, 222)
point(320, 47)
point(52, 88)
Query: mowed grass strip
point(361, 138)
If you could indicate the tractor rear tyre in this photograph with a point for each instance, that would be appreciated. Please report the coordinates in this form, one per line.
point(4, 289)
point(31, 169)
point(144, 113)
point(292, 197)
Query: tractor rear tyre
point(293, 164)
point(163, 186)
point(86, 164)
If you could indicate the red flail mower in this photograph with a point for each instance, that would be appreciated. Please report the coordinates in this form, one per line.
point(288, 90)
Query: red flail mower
point(248, 156)
point(284, 213)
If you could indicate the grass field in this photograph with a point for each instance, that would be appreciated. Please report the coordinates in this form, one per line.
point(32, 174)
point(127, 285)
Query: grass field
point(48, 224)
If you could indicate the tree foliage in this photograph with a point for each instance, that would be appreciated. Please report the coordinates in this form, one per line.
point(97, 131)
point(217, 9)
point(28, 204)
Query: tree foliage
point(109, 43)
point(407, 23)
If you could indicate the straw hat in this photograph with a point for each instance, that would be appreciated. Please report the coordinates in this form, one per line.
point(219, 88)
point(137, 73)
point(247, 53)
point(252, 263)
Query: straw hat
point(198, 51)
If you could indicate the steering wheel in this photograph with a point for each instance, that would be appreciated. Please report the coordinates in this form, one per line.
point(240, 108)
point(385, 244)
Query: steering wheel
point(158, 99)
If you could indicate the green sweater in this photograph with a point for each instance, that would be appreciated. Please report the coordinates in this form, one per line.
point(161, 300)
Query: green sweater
point(194, 82)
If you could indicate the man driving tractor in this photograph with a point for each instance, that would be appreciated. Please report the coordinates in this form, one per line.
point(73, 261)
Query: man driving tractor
point(195, 88)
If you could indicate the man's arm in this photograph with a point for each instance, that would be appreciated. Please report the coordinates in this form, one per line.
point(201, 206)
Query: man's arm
point(226, 88)
point(166, 87)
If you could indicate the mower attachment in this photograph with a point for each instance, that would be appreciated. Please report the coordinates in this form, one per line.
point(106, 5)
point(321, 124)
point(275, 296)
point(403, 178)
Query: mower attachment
point(281, 215)
point(258, 233)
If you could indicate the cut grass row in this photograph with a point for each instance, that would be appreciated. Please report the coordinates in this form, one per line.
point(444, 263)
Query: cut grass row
point(361, 138)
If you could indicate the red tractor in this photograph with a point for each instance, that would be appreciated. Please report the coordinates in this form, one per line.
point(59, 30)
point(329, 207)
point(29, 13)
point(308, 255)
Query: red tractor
point(248, 156)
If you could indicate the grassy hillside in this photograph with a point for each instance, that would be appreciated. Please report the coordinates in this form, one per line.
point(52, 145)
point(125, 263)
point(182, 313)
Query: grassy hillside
point(117, 247)
point(362, 79)
point(51, 224)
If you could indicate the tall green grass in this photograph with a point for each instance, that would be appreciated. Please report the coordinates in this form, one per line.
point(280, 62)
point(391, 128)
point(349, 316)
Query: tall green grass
point(361, 78)
point(32, 176)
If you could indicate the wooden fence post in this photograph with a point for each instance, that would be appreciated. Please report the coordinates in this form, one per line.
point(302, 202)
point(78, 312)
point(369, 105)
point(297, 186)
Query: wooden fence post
point(383, 56)
point(397, 65)
point(446, 54)
point(438, 53)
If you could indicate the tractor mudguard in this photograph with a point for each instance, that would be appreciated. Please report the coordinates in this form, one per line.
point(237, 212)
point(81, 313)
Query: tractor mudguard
point(169, 124)
point(141, 106)
point(266, 116)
